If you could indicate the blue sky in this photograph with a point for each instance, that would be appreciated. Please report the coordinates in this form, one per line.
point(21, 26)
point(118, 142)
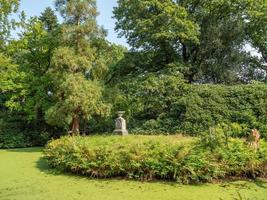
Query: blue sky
point(105, 7)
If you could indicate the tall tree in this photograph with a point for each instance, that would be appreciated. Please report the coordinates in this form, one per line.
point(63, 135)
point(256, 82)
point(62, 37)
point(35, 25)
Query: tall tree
point(11, 83)
point(257, 28)
point(78, 97)
point(205, 39)
point(7, 7)
point(155, 25)
point(221, 55)
point(32, 52)
point(49, 19)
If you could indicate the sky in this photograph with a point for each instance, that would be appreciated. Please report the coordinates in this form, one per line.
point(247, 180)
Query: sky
point(105, 7)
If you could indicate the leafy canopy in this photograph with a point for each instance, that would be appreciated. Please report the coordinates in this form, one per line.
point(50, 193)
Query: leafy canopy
point(7, 7)
point(208, 38)
point(76, 95)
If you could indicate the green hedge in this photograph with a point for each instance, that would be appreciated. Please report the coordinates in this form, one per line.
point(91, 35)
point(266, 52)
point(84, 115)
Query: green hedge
point(21, 139)
point(166, 104)
point(155, 157)
point(13, 140)
point(240, 107)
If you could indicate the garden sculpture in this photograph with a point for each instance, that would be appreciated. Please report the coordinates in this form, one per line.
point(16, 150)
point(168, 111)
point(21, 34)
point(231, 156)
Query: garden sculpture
point(120, 124)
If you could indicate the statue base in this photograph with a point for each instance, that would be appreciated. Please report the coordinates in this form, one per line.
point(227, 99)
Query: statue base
point(121, 132)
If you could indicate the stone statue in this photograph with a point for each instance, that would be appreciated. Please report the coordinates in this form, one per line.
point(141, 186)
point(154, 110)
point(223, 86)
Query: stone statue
point(120, 124)
point(254, 139)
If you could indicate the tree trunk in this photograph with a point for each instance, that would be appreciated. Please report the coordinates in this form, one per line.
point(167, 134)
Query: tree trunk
point(75, 125)
point(84, 126)
point(185, 56)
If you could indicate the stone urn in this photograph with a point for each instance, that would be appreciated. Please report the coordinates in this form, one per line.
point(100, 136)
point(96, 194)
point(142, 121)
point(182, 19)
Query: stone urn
point(120, 124)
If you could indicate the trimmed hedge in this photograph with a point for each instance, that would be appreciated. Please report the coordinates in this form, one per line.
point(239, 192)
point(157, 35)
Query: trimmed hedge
point(241, 107)
point(166, 104)
point(155, 157)
point(13, 140)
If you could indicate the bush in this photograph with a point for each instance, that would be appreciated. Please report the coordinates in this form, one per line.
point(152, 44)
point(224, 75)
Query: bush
point(13, 140)
point(155, 157)
point(17, 132)
point(166, 104)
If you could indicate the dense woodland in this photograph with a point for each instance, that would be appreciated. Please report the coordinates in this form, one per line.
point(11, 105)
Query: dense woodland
point(191, 65)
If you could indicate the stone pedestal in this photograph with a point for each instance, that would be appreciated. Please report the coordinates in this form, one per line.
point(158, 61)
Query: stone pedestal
point(120, 125)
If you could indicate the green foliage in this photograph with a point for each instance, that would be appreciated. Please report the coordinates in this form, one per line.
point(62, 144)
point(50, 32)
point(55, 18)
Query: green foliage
point(208, 38)
point(48, 58)
point(206, 106)
point(76, 95)
point(166, 104)
point(11, 82)
point(60, 76)
point(32, 53)
point(215, 137)
point(154, 24)
point(11, 137)
point(21, 167)
point(15, 132)
point(13, 140)
point(9, 75)
point(49, 20)
point(155, 29)
point(155, 157)
point(7, 8)
point(107, 55)
point(257, 29)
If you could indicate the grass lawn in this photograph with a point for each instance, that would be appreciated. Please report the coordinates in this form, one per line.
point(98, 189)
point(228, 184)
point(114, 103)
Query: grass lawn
point(24, 175)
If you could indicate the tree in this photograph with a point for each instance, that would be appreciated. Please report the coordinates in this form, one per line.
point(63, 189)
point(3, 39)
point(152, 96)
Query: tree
point(107, 56)
point(257, 28)
point(77, 96)
point(221, 55)
point(11, 83)
point(32, 52)
point(206, 39)
point(7, 7)
point(155, 25)
point(49, 19)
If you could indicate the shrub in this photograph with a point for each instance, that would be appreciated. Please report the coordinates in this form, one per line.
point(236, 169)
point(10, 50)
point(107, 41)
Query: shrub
point(13, 140)
point(166, 104)
point(155, 157)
